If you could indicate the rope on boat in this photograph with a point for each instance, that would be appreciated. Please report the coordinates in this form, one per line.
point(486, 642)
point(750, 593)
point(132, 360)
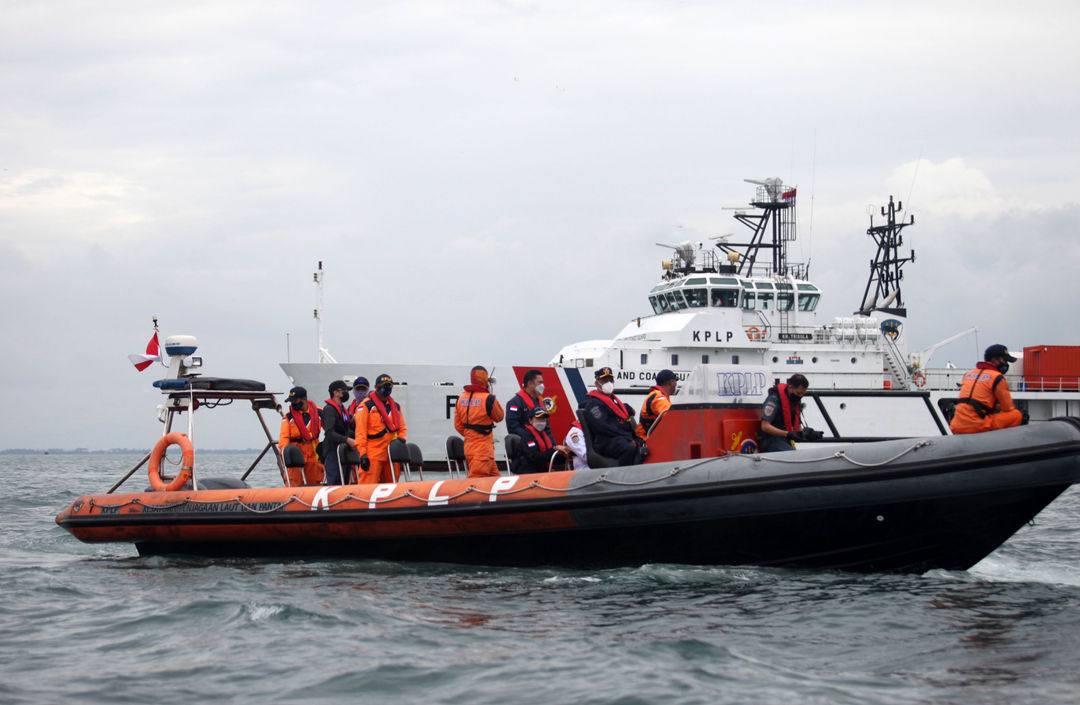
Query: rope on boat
point(534, 485)
point(839, 455)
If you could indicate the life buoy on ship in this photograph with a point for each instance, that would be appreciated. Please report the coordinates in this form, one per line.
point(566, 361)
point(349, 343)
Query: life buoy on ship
point(753, 333)
point(919, 379)
point(187, 462)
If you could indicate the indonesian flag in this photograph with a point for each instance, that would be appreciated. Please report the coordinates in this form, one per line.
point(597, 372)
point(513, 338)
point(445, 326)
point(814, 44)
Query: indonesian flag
point(788, 195)
point(153, 353)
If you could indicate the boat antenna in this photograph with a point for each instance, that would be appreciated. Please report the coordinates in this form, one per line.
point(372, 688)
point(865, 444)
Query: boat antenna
point(324, 354)
point(810, 226)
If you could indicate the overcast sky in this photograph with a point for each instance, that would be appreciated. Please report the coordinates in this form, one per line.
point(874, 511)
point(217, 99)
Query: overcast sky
point(485, 181)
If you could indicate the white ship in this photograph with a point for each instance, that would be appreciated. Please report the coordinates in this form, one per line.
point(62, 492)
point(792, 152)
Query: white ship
point(728, 306)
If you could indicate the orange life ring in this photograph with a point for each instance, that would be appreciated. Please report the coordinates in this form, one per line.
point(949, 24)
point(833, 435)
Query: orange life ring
point(753, 333)
point(919, 379)
point(187, 462)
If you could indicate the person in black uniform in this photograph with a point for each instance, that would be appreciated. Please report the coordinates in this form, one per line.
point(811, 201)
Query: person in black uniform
point(781, 424)
point(612, 422)
point(538, 444)
point(337, 425)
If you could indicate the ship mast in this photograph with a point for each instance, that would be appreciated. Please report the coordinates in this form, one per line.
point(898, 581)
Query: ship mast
point(886, 267)
point(773, 226)
point(324, 354)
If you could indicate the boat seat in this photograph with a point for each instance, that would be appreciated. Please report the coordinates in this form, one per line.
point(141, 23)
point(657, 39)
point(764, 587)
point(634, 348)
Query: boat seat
point(416, 459)
point(348, 457)
point(293, 456)
point(455, 456)
point(512, 447)
point(595, 459)
point(399, 455)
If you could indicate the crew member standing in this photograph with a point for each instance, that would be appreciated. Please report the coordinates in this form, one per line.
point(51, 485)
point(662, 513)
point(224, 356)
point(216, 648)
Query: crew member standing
point(612, 422)
point(300, 427)
point(657, 401)
point(985, 403)
point(337, 426)
point(359, 391)
point(780, 416)
point(519, 409)
point(475, 416)
point(379, 422)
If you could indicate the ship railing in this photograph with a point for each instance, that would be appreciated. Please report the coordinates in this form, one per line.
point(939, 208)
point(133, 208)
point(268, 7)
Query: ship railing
point(1049, 383)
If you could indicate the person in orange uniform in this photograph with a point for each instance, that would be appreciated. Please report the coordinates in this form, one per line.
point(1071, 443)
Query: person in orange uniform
point(657, 401)
point(300, 427)
point(379, 422)
point(985, 403)
point(475, 416)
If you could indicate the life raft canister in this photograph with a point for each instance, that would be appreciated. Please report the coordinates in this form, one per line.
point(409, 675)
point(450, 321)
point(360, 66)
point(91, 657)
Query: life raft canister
point(187, 462)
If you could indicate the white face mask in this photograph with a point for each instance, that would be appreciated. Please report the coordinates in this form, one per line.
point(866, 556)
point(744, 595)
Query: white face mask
point(539, 389)
point(607, 387)
point(539, 425)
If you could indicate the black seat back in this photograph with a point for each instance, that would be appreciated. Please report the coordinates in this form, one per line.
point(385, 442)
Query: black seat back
point(416, 459)
point(512, 446)
point(293, 456)
point(455, 456)
point(595, 459)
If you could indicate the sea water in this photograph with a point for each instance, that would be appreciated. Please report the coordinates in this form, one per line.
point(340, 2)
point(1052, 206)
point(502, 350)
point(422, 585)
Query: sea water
point(97, 624)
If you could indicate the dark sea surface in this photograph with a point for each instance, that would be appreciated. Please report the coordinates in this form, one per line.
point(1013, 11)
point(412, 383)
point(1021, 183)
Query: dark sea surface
point(86, 623)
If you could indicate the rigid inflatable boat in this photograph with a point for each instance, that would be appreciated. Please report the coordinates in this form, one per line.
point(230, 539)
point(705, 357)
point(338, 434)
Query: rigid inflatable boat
point(908, 504)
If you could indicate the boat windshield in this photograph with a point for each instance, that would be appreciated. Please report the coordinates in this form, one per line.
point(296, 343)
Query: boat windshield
point(785, 301)
point(727, 298)
point(697, 298)
point(748, 299)
point(676, 300)
point(808, 302)
point(657, 306)
point(765, 301)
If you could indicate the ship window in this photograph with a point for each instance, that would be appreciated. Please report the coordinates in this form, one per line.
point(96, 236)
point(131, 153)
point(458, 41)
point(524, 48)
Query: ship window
point(734, 359)
point(748, 299)
point(655, 301)
point(644, 358)
point(704, 359)
point(785, 301)
point(765, 285)
point(764, 301)
point(748, 285)
point(728, 281)
point(697, 298)
point(813, 359)
point(807, 287)
point(853, 361)
point(784, 286)
point(696, 280)
point(728, 298)
point(662, 303)
point(674, 359)
point(808, 302)
point(588, 362)
point(675, 298)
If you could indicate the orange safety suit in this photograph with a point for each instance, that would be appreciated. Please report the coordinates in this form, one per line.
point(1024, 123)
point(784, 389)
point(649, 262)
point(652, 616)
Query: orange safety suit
point(985, 403)
point(377, 423)
point(301, 428)
point(475, 416)
point(656, 403)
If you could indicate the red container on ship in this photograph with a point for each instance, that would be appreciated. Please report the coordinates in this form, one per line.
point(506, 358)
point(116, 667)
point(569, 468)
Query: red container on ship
point(1052, 367)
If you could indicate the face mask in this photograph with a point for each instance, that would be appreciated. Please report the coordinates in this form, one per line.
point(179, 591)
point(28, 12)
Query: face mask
point(298, 405)
point(607, 387)
point(345, 395)
point(539, 389)
point(386, 390)
point(1003, 367)
point(539, 425)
